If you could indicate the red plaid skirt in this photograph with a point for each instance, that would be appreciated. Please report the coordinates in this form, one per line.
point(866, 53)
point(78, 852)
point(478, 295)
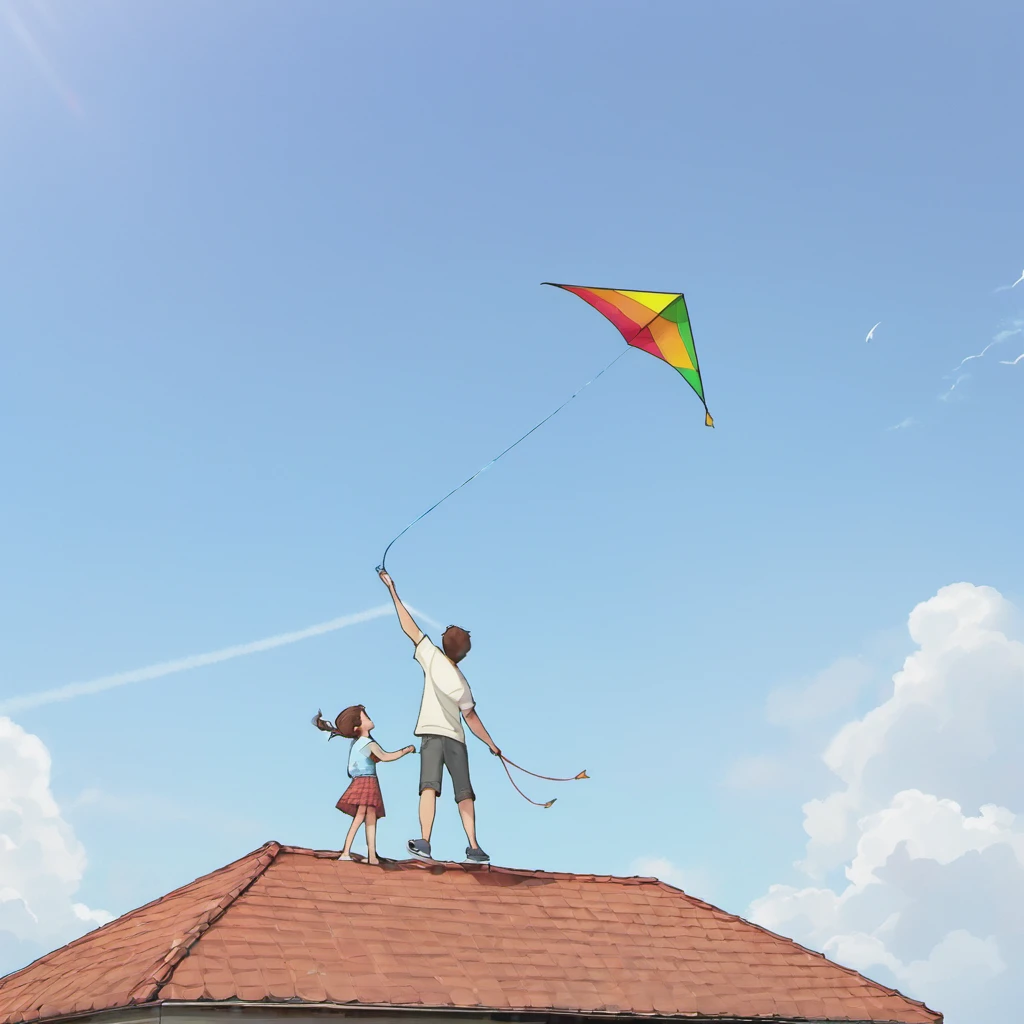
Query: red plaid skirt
point(363, 792)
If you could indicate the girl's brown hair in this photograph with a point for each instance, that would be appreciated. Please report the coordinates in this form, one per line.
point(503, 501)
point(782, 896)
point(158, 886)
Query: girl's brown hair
point(346, 724)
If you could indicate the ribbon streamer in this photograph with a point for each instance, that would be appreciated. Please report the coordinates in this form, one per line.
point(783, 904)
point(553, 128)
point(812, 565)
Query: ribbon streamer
point(549, 778)
point(505, 762)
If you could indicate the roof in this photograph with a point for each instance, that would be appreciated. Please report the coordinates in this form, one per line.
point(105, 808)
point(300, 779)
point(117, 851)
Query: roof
point(284, 924)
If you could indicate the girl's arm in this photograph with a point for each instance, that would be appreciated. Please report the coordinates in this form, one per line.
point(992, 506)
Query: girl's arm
point(383, 755)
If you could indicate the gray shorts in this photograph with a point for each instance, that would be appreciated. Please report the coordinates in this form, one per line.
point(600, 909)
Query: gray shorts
point(437, 752)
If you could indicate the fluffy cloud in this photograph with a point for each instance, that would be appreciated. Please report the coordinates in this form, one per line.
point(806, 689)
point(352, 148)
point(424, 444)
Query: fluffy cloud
point(832, 690)
point(915, 859)
point(755, 772)
point(41, 861)
point(695, 881)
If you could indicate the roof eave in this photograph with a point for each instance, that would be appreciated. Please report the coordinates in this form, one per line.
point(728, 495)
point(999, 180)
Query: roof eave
point(157, 1009)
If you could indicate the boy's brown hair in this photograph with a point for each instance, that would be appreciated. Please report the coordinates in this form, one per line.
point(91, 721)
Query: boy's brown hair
point(346, 724)
point(456, 643)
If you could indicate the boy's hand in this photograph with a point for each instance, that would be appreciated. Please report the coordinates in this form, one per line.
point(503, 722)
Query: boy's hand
point(495, 751)
point(386, 579)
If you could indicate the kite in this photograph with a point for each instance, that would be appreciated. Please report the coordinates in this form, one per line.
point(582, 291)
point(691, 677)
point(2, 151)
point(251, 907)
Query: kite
point(654, 322)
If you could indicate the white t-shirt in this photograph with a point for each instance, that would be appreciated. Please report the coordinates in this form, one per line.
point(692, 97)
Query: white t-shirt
point(446, 694)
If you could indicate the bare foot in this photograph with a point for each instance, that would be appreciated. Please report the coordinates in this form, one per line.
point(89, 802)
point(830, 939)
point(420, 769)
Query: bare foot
point(373, 860)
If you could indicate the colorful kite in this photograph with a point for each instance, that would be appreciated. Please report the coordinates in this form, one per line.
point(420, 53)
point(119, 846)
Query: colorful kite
point(656, 322)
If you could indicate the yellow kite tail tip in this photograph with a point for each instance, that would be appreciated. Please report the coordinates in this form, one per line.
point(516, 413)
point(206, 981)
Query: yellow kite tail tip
point(708, 421)
point(549, 803)
point(582, 775)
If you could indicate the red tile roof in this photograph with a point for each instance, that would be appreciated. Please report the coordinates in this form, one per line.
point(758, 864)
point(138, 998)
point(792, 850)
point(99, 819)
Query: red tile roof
point(291, 925)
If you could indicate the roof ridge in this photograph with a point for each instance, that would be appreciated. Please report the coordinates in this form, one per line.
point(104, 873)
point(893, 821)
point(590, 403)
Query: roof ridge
point(88, 936)
point(307, 851)
point(793, 942)
point(148, 990)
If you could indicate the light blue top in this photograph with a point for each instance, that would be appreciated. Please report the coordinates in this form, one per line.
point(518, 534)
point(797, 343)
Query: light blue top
point(360, 763)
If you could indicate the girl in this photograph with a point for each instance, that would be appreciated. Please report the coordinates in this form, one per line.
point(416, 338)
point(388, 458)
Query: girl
point(362, 799)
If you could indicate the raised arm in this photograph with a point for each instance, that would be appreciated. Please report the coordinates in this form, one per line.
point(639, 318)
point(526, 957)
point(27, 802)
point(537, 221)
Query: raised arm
point(405, 620)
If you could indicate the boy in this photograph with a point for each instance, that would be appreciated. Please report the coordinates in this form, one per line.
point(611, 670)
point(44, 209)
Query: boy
point(447, 701)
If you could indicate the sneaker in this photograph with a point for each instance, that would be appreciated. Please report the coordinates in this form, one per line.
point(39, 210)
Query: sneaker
point(474, 855)
point(419, 848)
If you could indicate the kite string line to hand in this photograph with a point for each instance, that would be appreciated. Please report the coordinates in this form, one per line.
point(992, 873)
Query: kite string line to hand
point(482, 469)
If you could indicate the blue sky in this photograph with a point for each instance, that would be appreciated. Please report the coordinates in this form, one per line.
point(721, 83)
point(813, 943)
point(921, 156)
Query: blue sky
point(270, 278)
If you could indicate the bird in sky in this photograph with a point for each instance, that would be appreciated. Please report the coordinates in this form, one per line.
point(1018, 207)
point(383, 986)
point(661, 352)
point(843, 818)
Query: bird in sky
point(871, 333)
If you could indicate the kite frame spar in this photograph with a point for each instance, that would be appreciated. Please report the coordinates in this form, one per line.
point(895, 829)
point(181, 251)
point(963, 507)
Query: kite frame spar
point(633, 330)
point(692, 350)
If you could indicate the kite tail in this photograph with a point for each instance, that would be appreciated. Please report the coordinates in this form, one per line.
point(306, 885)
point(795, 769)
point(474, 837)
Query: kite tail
point(547, 778)
point(536, 803)
point(708, 421)
point(482, 469)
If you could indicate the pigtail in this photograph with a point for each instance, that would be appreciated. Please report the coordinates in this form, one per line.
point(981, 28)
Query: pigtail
point(324, 726)
point(345, 724)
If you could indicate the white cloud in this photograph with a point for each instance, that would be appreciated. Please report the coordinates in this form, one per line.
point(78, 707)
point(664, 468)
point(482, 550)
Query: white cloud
point(832, 690)
point(923, 823)
point(694, 881)
point(41, 861)
point(903, 424)
point(960, 379)
point(756, 771)
point(997, 339)
point(801, 708)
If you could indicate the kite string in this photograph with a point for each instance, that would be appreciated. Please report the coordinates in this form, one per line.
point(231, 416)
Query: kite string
point(423, 515)
point(536, 803)
point(548, 778)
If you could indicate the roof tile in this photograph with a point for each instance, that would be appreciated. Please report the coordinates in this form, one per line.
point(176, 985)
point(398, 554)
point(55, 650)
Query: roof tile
point(286, 924)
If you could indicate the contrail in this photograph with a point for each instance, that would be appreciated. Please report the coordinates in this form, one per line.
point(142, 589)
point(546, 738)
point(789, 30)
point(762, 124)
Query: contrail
point(166, 668)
